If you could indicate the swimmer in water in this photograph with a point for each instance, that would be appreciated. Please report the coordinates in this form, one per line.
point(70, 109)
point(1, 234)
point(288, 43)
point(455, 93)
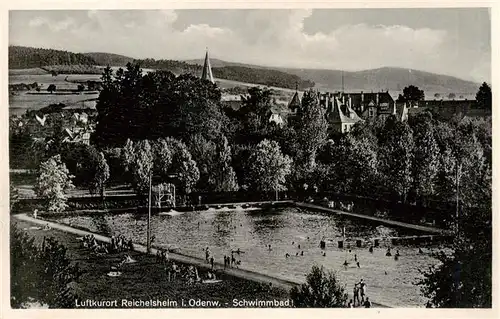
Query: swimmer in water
point(388, 253)
point(287, 255)
point(371, 249)
point(302, 253)
point(293, 243)
point(345, 263)
point(420, 250)
point(324, 254)
point(355, 257)
point(297, 253)
point(358, 264)
point(270, 247)
point(299, 246)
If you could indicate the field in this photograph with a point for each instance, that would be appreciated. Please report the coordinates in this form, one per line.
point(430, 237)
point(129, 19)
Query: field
point(22, 101)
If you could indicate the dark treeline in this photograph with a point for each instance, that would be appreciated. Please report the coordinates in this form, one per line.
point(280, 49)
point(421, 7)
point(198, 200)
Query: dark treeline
point(26, 57)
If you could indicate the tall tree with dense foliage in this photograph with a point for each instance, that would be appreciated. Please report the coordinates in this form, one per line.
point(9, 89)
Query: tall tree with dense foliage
point(321, 290)
point(183, 165)
point(483, 97)
point(396, 157)
point(311, 127)
point(254, 114)
point(411, 94)
point(268, 167)
point(101, 175)
point(156, 105)
point(425, 155)
point(463, 278)
point(52, 184)
point(225, 176)
point(141, 166)
point(204, 153)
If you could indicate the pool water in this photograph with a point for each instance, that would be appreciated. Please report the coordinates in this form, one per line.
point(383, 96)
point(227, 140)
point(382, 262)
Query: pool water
point(389, 282)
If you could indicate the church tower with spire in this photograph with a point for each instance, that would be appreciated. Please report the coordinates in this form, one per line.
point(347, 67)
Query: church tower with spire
point(207, 69)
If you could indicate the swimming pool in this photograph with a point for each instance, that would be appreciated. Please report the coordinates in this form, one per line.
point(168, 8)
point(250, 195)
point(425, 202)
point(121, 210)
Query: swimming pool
point(389, 282)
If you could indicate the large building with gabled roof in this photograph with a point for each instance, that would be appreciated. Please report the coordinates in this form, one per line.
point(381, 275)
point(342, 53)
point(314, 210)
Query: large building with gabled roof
point(340, 115)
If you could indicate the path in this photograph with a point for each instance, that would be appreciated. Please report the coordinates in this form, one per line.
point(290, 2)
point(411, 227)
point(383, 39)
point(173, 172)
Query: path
point(380, 220)
point(198, 262)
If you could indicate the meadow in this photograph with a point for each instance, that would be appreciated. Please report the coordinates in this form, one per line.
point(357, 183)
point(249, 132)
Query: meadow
point(65, 93)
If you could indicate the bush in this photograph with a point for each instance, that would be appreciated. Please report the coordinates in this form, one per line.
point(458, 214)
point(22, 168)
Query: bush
point(41, 274)
point(321, 290)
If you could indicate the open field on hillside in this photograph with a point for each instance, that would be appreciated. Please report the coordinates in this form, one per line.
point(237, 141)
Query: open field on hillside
point(18, 104)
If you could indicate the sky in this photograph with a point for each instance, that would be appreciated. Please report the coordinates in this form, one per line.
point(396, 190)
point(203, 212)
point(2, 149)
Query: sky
point(451, 41)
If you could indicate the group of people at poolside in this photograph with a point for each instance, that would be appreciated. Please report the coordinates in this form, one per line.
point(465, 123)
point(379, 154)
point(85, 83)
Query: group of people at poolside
point(189, 273)
point(359, 294)
point(117, 244)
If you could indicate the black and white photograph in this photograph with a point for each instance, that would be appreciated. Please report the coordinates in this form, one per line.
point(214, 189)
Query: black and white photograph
point(250, 158)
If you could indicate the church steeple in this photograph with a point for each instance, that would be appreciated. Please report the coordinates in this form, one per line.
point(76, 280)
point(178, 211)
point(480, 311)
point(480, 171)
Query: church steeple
point(207, 70)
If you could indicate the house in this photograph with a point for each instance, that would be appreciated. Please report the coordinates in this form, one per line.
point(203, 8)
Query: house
point(367, 105)
point(340, 115)
point(276, 118)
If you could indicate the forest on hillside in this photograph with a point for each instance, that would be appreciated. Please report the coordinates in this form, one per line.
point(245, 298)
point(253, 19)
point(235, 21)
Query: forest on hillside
point(26, 57)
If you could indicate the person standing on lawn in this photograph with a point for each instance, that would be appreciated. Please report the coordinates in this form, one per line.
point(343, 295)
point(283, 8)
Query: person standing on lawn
point(362, 287)
point(356, 295)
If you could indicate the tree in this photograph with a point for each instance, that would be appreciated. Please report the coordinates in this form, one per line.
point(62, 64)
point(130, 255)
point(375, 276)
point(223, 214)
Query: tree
point(52, 183)
point(141, 166)
point(321, 290)
point(183, 165)
point(311, 128)
point(226, 180)
point(80, 87)
point(411, 94)
point(451, 96)
point(268, 167)
point(483, 97)
point(204, 153)
point(463, 278)
point(425, 155)
point(254, 114)
point(51, 88)
point(156, 105)
point(396, 156)
point(437, 95)
point(41, 274)
point(101, 174)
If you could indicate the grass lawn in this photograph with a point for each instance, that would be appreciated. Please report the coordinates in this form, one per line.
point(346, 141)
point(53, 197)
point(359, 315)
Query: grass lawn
point(146, 280)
